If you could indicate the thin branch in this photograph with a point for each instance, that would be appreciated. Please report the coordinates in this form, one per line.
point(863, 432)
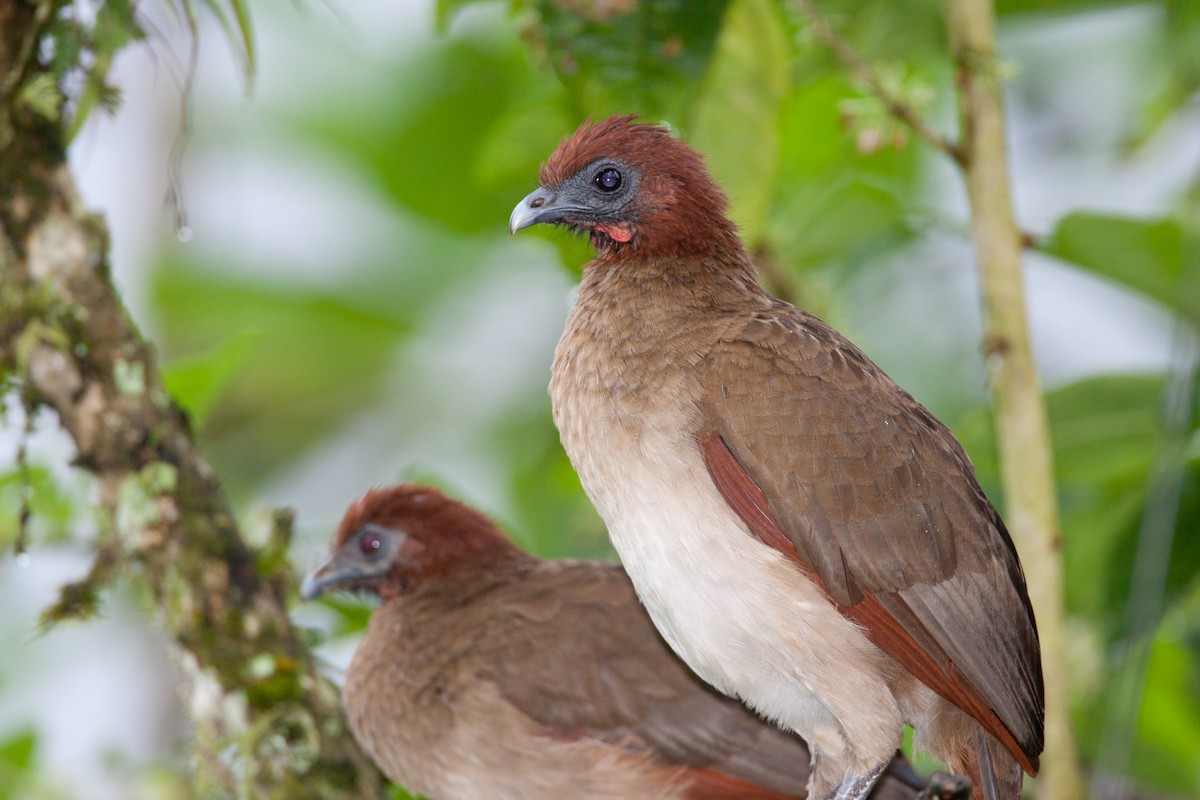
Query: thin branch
point(183, 137)
point(896, 106)
point(865, 74)
point(1022, 429)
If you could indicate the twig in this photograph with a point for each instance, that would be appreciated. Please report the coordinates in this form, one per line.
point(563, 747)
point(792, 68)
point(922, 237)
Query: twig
point(865, 74)
point(1021, 426)
point(175, 181)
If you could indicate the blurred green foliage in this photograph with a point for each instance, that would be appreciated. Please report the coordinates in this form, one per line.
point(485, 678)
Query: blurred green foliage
point(16, 759)
point(822, 184)
point(448, 136)
point(36, 493)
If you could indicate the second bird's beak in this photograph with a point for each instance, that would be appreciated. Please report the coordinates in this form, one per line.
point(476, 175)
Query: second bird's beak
point(323, 579)
point(538, 206)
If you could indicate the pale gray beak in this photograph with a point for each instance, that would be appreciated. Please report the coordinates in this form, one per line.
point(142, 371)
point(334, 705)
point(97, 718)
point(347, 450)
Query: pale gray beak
point(539, 206)
point(323, 579)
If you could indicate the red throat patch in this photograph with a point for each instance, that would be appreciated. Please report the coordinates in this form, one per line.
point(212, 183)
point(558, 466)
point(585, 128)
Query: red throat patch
point(618, 232)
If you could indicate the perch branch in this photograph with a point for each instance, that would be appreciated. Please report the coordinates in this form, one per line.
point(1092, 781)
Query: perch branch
point(865, 74)
point(1022, 430)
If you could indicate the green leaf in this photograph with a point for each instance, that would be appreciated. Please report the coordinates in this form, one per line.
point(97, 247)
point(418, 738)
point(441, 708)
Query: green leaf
point(116, 26)
point(18, 750)
point(51, 507)
point(234, 18)
point(1104, 431)
point(196, 382)
point(1183, 566)
point(736, 120)
point(1168, 738)
point(435, 152)
point(241, 12)
point(399, 793)
point(552, 515)
point(40, 94)
point(907, 32)
point(444, 11)
point(625, 57)
point(18, 762)
point(1143, 255)
point(1006, 7)
point(1105, 428)
point(1175, 75)
point(353, 613)
point(309, 359)
point(834, 203)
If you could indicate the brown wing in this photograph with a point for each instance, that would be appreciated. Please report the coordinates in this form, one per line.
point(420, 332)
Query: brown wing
point(899, 782)
point(580, 656)
point(876, 499)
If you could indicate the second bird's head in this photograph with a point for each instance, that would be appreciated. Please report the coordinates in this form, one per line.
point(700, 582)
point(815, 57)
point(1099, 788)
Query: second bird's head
point(630, 187)
point(394, 539)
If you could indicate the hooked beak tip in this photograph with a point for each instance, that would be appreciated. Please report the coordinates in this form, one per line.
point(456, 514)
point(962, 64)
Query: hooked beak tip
point(310, 589)
point(536, 207)
point(319, 581)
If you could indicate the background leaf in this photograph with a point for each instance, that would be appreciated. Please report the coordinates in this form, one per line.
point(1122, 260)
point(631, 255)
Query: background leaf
point(1144, 255)
point(736, 119)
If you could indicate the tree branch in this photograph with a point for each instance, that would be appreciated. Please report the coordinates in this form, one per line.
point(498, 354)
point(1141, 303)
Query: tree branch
point(1021, 426)
point(66, 339)
point(864, 74)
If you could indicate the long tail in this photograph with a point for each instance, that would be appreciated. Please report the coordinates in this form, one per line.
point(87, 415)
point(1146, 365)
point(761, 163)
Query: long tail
point(994, 773)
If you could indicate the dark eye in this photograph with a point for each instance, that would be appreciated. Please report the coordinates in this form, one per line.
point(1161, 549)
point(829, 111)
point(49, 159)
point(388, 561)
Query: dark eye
point(607, 180)
point(370, 544)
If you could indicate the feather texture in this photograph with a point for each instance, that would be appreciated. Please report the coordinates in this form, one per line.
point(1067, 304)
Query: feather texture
point(900, 597)
point(489, 673)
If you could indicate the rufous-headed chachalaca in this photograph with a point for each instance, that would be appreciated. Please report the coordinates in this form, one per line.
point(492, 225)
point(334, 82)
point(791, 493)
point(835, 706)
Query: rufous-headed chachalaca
point(490, 674)
point(804, 534)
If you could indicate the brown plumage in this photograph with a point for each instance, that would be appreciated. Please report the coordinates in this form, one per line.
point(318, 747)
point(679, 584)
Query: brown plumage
point(803, 532)
point(489, 673)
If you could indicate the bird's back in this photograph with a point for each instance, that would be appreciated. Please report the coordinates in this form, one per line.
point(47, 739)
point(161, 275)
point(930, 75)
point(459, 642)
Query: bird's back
point(553, 683)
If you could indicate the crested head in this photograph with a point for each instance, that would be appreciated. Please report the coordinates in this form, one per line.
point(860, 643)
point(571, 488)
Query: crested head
point(634, 189)
point(394, 538)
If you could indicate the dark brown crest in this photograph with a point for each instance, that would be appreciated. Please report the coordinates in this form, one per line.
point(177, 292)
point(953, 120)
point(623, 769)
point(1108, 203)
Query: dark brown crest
point(680, 209)
point(451, 532)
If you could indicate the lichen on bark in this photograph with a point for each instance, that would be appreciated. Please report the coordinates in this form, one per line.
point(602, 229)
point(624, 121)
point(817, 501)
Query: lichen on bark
point(267, 723)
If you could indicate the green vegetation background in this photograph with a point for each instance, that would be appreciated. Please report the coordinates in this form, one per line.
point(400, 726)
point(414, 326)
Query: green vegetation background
point(282, 368)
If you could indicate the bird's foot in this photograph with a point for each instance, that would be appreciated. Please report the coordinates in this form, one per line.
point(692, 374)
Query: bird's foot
point(857, 787)
point(944, 786)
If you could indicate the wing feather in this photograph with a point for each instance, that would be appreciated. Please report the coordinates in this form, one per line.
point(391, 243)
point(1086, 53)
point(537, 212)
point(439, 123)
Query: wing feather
point(837, 466)
point(603, 671)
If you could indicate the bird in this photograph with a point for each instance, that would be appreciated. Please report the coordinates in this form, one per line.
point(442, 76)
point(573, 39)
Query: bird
point(805, 534)
point(489, 673)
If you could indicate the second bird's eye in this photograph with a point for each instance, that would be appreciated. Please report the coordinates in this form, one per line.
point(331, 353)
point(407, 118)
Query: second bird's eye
point(607, 180)
point(370, 544)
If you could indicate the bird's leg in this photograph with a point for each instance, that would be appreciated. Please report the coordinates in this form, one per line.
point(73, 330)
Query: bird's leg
point(944, 786)
point(857, 787)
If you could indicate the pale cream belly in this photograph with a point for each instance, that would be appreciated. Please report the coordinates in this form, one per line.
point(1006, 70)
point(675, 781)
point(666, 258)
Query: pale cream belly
point(739, 613)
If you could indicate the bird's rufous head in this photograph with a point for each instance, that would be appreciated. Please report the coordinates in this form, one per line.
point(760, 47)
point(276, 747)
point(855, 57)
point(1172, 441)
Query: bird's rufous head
point(393, 538)
point(631, 187)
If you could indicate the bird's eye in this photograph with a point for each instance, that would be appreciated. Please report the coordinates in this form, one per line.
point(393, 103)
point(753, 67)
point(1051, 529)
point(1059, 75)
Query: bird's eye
point(607, 180)
point(370, 544)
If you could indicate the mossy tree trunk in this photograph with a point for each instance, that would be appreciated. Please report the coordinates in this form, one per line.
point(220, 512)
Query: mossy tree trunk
point(67, 344)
